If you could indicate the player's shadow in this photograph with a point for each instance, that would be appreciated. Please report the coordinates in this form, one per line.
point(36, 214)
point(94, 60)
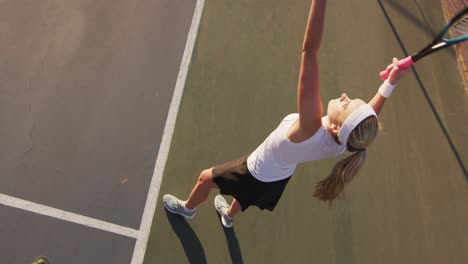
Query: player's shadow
point(189, 240)
point(232, 243)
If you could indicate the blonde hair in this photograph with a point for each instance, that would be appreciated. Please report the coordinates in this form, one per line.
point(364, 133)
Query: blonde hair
point(329, 189)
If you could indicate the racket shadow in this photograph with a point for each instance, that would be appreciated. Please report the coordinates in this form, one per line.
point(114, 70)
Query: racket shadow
point(232, 243)
point(189, 240)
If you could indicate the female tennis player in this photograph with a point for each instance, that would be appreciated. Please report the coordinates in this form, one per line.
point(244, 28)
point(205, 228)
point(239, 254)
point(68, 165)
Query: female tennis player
point(259, 178)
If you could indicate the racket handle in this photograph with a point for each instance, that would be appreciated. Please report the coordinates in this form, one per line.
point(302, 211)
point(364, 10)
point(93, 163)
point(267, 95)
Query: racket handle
point(402, 64)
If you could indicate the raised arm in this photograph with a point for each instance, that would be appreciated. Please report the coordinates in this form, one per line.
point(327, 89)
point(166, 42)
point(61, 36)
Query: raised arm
point(377, 102)
point(308, 94)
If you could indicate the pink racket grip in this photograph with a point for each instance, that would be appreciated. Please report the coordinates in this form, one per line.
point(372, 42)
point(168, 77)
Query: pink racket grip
point(402, 64)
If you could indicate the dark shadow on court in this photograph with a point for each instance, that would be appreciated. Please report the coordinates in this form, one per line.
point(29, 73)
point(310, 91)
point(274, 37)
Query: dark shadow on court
point(189, 240)
point(233, 243)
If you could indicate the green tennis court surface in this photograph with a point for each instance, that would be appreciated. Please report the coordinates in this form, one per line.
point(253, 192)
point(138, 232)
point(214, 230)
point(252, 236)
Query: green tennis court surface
point(408, 204)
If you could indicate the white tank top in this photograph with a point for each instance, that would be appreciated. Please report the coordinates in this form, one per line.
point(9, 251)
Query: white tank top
point(277, 157)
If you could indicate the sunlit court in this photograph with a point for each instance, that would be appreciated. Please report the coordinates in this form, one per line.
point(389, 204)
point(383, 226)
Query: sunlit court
point(199, 131)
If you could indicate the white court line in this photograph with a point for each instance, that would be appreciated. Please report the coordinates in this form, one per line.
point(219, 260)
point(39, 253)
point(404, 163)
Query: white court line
point(67, 216)
point(152, 199)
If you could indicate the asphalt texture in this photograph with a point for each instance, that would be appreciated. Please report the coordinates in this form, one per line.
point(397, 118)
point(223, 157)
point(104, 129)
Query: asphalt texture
point(85, 88)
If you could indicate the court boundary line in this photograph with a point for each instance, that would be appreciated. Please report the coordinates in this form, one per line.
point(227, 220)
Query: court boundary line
point(153, 192)
point(67, 216)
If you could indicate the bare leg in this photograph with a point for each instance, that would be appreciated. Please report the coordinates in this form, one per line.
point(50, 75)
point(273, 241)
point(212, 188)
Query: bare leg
point(234, 208)
point(201, 189)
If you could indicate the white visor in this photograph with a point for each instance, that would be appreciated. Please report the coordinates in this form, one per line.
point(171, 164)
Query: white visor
point(356, 117)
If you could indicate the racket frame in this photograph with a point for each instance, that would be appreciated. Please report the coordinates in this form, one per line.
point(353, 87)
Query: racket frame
point(439, 42)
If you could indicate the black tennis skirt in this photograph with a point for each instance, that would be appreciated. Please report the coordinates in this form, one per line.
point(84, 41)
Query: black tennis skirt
point(234, 178)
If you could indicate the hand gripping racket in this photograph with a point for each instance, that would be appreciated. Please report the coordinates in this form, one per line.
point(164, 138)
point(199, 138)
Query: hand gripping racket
point(454, 32)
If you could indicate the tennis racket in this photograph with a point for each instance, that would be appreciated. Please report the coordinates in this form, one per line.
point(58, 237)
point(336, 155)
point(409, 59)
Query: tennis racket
point(454, 32)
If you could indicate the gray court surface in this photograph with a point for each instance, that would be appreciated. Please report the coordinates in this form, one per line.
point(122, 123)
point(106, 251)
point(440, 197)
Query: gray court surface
point(26, 235)
point(85, 88)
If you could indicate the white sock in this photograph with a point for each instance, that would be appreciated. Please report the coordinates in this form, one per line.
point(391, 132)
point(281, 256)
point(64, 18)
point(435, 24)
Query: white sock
point(185, 208)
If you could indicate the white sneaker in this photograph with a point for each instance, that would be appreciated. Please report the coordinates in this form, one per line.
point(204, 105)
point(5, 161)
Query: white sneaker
point(222, 206)
point(177, 206)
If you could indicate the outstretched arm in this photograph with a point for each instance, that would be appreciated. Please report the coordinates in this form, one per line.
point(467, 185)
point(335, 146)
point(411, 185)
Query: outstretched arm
point(308, 94)
point(378, 100)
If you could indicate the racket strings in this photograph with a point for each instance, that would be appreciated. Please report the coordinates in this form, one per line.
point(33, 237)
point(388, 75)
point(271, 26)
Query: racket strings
point(460, 28)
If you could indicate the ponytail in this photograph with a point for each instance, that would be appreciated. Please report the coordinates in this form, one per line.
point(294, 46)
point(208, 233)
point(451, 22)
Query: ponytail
point(329, 189)
point(345, 170)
